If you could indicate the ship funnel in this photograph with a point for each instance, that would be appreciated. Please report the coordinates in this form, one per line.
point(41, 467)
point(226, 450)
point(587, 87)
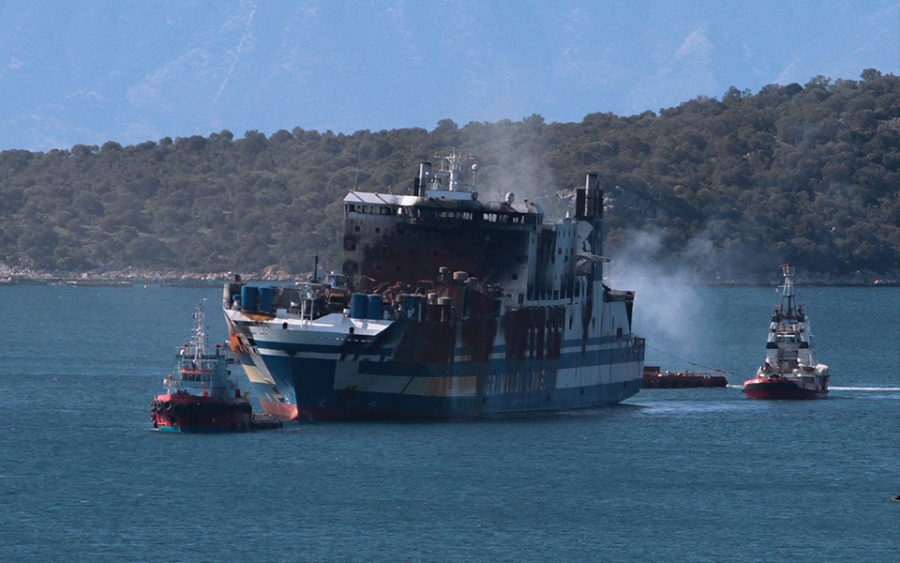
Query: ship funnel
point(589, 200)
point(454, 180)
point(424, 177)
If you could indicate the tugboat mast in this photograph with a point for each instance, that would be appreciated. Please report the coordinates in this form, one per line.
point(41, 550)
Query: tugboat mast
point(199, 340)
point(787, 289)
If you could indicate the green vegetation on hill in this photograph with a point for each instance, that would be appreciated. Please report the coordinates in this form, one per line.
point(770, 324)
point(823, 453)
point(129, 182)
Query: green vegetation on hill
point(809, 174)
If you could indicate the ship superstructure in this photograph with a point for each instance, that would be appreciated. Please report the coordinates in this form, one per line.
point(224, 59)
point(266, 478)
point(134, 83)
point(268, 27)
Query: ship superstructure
point(201, 395)
point(790, 370)
point(446, 306)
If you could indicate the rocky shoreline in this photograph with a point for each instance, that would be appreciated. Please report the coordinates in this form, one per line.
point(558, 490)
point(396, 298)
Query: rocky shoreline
point(116, 278)
point(129, 277)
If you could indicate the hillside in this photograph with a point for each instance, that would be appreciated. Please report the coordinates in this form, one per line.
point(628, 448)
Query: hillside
point(727, 188)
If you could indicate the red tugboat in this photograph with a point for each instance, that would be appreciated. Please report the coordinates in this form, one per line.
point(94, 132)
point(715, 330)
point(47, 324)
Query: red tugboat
point(200, 394)
point(791, 370)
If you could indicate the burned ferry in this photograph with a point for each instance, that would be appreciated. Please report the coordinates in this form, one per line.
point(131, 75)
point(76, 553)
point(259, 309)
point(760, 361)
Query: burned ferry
point(447, 306)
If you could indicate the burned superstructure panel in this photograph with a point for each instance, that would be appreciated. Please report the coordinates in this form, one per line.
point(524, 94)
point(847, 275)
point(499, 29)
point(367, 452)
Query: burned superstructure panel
point(403, 239)
point(407, 239)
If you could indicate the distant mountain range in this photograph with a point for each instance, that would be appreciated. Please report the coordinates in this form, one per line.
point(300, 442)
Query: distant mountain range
point(87, 72)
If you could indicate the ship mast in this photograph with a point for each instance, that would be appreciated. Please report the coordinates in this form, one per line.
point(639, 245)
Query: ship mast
point(199, 339)
point(787, 290)
point(454, 160)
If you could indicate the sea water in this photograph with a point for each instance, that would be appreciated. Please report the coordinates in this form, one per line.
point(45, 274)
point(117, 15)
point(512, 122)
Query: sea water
point(669, 475)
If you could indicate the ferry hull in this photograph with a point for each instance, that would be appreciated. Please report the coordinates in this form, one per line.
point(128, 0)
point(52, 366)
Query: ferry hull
point(438, 409)
point(362, 406)
point(300, 388)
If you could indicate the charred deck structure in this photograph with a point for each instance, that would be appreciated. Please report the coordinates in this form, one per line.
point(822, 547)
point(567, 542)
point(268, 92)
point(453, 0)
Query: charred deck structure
point(446, 306)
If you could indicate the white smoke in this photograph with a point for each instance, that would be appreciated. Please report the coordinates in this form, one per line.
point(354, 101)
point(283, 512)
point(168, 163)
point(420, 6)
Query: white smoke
point(667, 303)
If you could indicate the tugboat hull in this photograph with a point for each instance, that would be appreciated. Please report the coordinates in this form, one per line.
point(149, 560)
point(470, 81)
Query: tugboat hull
point(782, 388)
point(187, 413)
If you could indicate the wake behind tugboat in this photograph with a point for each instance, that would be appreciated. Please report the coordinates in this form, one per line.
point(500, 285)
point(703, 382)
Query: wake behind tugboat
point(791, 370)
point(200, 394)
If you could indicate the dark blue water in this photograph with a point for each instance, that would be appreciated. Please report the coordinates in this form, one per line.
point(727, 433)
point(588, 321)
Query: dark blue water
point(680, 475)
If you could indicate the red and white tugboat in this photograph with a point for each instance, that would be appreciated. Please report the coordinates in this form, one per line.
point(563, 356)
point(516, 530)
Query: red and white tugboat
point(791, 370)
point(200, 395)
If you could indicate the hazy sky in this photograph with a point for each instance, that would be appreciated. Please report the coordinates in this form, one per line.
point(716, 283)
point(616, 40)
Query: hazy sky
point(91, 71)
